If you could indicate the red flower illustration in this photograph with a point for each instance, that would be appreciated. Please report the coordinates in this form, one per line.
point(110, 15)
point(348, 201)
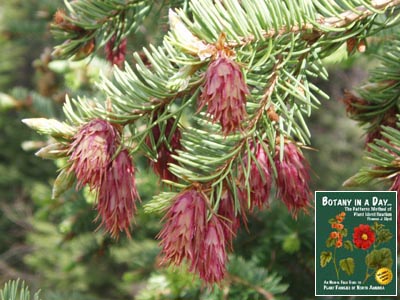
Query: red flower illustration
point(363, 236)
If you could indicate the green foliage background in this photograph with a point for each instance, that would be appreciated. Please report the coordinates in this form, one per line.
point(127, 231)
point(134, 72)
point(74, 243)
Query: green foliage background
point(54, 245)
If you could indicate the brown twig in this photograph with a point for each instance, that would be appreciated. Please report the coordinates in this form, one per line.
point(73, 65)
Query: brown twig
point(267, 295)
point(344, 19)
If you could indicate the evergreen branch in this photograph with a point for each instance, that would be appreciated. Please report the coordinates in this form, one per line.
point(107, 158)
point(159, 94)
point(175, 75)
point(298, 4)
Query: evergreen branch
point(382, 158)
point(91, 24)
point(318, 26)
point(175, 73)
point(361, 12)
point(209, 165)
point(245, 280)
point(266, 98)
point(375, 103)
point(224, 160)
point(171, 73)
point(159, 203)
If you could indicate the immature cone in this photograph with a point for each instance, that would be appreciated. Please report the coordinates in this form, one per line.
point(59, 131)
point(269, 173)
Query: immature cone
point(231, 221)
point(293, 178)
point(396, 187)
point(184, 230)
point(212, 259)
point(260, 179)
point(117, 195)
point(165, 150)
point(91, 152)
point(115, 54)
point(224, 93)
point(60, 20)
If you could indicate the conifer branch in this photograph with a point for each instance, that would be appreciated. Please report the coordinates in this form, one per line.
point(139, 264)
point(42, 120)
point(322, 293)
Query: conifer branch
point(360, 12)
point(89, 25)
point(241, 69)
point(375, 107)
point(323, 25)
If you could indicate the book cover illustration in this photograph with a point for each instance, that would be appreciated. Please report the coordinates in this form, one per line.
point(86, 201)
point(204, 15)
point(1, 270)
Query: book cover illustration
point(355, 243)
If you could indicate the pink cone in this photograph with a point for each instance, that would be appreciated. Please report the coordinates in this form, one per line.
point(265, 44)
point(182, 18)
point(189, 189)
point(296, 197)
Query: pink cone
point(224, 94)
point(91, 152)
point(117, 195)
point(115, 54)
point(165, 150)
point(260, 178)
point(211, 263)
point(230, 219)
point(184, 230)
point(293, 178)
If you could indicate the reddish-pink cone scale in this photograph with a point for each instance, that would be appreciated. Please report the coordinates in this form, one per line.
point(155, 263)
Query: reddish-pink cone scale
point(188, 236)
point(224, 93)
point(212, 259)
point(164, 150)
point(91, 158)
point(293, 178)
point(117, 195)
point(184, 229)
point(260, 178)
point(91, 152)
point(115, 54)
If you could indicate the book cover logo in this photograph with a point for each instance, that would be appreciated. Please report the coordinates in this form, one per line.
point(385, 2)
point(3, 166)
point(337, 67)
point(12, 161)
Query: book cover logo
point(355, 243)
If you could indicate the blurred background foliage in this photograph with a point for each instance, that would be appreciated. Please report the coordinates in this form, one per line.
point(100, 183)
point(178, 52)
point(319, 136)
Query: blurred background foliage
point(54, 245)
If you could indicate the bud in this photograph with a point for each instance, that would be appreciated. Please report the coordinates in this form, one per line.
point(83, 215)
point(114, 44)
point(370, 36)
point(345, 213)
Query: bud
point(62, 21)
point(184, 230)
point(63, 182)
point(224, 93)
point(211, 263)
point(260, 179)
point(91, 152)
point(117, 195)
point(7, 102)
point(51, 127)
point(52, 151)
point(354, 43)
point(187, 41)
point(351, 44)
point(59, 17)
point(293, 178)
point(165, 149)
point(85, 49)
point(115, 53)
